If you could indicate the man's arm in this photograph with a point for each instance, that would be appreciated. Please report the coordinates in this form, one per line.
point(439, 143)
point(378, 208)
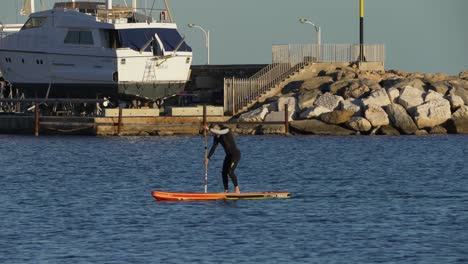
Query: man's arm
point(213, 147)
point(219, 131)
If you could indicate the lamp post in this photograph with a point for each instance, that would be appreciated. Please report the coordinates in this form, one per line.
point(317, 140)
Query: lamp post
point(319, 34)
point(317, 29)
point(207, 39)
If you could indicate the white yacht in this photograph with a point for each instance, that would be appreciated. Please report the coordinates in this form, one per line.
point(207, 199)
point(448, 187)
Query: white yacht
point(84, 49)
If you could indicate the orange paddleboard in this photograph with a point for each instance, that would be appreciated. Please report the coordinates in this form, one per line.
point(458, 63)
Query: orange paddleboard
point(178, 196)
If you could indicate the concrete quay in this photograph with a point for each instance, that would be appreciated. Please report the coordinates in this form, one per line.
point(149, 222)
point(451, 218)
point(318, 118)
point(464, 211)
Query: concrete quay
point(105, 126)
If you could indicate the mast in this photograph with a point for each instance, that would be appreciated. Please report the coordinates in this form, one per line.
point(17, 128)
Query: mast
point(134, 5)
point(28, 7)
point(33, 7)
point(108, 4)
point(168, 11)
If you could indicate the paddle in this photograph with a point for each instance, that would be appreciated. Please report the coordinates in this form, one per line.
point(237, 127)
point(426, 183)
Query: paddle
point(206, 148)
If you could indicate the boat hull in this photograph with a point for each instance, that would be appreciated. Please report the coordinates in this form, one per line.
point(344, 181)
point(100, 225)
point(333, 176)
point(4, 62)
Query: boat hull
point(178, 196)
point(92, 90)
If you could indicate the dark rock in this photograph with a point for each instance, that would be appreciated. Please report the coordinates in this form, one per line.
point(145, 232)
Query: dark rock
point(317, 127)
point(401, 83)
point(271, 130)
point(316, 83)
point(356, 90)
point(338, 87)
point(388, 131)
point(337, 117)
point(438, 130)
point(373, 85)
point(421, 132)
point(401, 119)
point(343, 74)
point(306, 99)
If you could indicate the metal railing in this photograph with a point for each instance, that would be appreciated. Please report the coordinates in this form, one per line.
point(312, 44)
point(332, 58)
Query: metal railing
point(287, 59)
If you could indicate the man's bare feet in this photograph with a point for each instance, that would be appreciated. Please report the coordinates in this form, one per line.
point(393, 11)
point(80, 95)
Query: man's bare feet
point(237, 189)
point(226, 191)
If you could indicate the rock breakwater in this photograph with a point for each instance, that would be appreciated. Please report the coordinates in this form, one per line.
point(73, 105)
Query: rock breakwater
point(347, 101)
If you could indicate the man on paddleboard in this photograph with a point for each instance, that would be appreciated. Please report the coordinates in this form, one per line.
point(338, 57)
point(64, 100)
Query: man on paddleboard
point(223, 135)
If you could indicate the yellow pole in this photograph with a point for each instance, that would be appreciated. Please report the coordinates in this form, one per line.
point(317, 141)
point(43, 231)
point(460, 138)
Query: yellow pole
point(361, 7)
point(361, 31)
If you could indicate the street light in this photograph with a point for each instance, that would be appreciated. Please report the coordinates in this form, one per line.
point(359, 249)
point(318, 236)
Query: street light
point(317, 28)
point(207, 38)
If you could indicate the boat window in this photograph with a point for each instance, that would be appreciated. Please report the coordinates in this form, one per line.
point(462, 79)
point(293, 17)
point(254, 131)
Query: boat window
point(79, 37)
point(34, 22)
point(110, 38)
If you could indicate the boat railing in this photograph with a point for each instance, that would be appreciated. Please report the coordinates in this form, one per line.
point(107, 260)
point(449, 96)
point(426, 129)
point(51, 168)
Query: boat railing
point(120, 14)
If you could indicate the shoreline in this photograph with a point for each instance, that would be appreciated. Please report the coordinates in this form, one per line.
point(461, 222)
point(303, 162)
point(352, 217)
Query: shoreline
point(335, 101)
point(348, 101)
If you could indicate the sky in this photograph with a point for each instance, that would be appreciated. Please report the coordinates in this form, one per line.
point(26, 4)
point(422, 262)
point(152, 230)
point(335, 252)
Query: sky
point(419, 35)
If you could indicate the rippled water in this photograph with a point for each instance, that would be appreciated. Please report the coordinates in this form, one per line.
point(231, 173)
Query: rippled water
point(355, 200)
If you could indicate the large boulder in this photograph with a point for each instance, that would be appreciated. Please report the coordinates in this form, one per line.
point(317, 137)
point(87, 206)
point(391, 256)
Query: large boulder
point(317, 127)
point(356, 89)
point(463, 75)
point(393, 94)
point(410, 97)
point(391, 80)
point(377, 97)
point(354, 105)
point(315, 83)
point(313, 112)
point(435, 77)
point(438, 130)
point(344, 74)
point(337, 117)
point(432, 113)
point(376, 77)
point(278, 116)
point(413, 82)
point(269, 129)
point(328, 101)
point(376, 116)
point(460, 120)
point(256, 115)
point(455, 102)
point(460, 91)
point(403, 82)
point(440, 87)
point(290, 101)
point(400, 119)
point(388, 131)
point(359, 124)
point(339, 87)
point(432, 96)
point(373, 85)
point(421, 132)
point(306, 99)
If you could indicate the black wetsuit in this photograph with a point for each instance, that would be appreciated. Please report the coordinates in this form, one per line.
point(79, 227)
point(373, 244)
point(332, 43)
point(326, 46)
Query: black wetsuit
point(232, 156)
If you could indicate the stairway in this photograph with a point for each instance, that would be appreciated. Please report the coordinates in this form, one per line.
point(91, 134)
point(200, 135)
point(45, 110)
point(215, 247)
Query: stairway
point(242, 94)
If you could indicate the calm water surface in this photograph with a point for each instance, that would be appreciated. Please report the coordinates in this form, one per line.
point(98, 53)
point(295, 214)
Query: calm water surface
point(355, 200)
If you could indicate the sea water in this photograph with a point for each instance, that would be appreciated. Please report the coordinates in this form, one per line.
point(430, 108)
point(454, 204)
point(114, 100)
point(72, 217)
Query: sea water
point(354, 200)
